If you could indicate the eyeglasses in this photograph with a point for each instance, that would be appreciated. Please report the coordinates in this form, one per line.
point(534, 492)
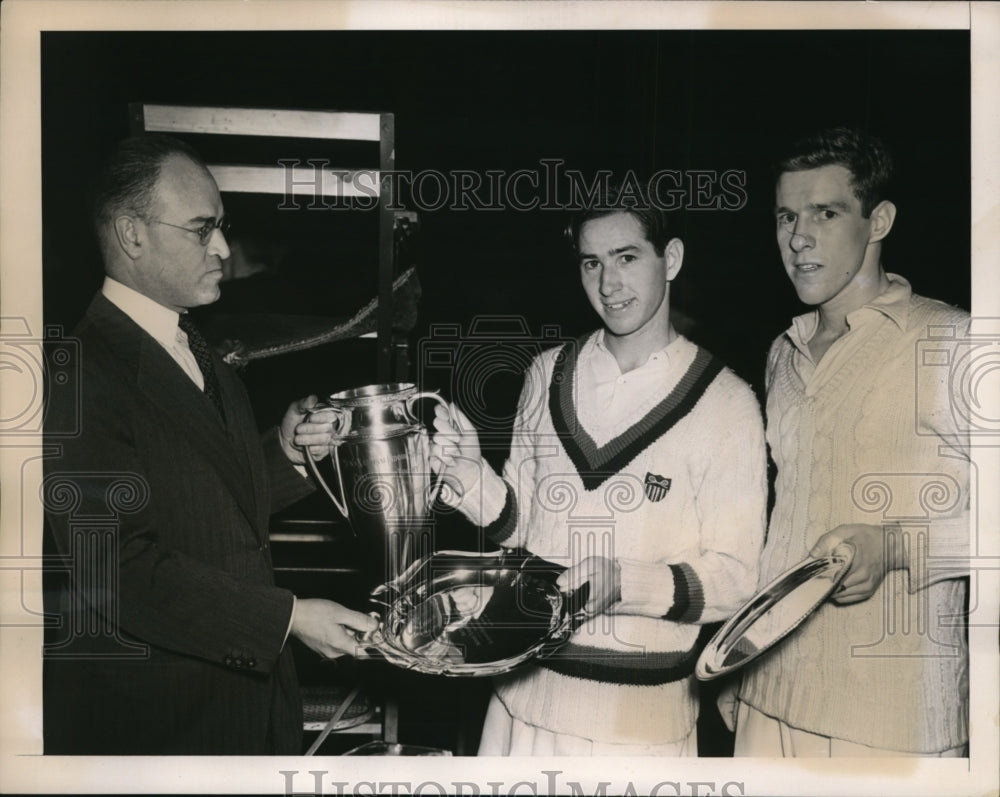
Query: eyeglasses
point(204, 232)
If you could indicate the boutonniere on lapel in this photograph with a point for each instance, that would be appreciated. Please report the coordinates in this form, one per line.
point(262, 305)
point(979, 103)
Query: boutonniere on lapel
point(656, 487)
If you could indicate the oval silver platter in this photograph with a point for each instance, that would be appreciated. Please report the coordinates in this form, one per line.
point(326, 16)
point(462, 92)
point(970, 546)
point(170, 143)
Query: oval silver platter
point(468, 614)
point(772, 614)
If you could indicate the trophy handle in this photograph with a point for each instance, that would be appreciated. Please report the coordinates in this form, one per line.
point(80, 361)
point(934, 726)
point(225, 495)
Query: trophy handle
point(436, 488)
point(340, 427)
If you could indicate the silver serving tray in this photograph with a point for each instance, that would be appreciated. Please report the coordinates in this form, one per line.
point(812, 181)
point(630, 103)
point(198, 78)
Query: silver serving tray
point(772, 614)
point(467, 614)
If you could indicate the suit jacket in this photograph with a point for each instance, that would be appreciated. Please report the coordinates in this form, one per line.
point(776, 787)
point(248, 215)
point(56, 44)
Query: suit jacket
point(171, 634)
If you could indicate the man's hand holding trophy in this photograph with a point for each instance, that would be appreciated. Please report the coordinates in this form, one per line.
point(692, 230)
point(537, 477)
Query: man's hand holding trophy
point(441, 612)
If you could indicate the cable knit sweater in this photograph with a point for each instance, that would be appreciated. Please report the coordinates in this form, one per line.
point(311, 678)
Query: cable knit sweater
point(663, 469)
point(869, 435)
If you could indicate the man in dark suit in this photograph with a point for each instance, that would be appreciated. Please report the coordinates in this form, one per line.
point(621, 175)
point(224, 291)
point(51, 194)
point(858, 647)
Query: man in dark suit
point(173, 635)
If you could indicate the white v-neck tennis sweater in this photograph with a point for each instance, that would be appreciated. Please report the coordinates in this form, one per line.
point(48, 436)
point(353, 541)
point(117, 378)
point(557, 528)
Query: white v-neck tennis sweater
point(671, 482)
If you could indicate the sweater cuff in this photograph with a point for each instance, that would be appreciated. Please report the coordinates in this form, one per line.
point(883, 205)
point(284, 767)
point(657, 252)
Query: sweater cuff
point(937, 554)
point(503, 530)
point(647, 588)
point(655, 589)
point(483, 502)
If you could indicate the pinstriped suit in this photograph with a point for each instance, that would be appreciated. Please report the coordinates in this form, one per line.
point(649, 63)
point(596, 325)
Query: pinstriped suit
point(197, 665)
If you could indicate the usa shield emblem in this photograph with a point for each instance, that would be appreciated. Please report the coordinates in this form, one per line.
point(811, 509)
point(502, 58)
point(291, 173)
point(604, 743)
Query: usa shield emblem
point(656, 487)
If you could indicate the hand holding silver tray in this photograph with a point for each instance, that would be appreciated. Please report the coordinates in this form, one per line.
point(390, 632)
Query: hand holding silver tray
point(773, 613)
point(468, 614)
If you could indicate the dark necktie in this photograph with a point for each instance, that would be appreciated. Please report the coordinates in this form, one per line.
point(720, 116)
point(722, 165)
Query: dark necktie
point(199, 348)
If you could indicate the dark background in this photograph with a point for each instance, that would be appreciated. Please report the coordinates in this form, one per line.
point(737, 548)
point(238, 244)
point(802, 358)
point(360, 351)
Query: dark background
point(597, 100)
point(634, 100)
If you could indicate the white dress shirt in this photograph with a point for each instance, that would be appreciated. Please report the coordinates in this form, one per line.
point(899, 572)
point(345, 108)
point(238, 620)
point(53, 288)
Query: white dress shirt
point(159, 321)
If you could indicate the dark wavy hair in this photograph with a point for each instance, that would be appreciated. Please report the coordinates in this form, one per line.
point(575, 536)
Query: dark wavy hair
point(632, 199)
point(126, 182)
point(862, 154)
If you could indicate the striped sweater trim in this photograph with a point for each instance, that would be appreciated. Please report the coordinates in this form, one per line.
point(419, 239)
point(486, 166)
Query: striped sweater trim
point(596, 465)
point(689, 595)
point(644, 668)
point(505, 525)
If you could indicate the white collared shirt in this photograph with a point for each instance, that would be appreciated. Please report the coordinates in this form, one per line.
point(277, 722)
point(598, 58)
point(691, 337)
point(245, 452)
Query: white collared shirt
point(893, 303)
point(159, 321)
point(608, 400)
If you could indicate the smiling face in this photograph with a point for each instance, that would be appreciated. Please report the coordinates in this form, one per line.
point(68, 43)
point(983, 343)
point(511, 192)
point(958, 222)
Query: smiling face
point(626, 281)
point(830, 251)
point(176, 270)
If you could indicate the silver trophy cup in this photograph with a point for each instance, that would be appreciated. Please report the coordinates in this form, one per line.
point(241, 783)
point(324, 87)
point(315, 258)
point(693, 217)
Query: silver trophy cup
point(381, 471)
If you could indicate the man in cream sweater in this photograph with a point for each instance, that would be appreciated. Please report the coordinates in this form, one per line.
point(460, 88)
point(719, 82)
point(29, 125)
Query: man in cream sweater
point(637, 461)
point(869, 454)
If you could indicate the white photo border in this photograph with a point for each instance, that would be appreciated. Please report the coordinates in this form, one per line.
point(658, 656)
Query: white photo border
point(22, 767)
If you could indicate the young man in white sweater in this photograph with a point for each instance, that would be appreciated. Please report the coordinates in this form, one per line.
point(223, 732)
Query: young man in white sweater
point(869, 453)
point(638, 462)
